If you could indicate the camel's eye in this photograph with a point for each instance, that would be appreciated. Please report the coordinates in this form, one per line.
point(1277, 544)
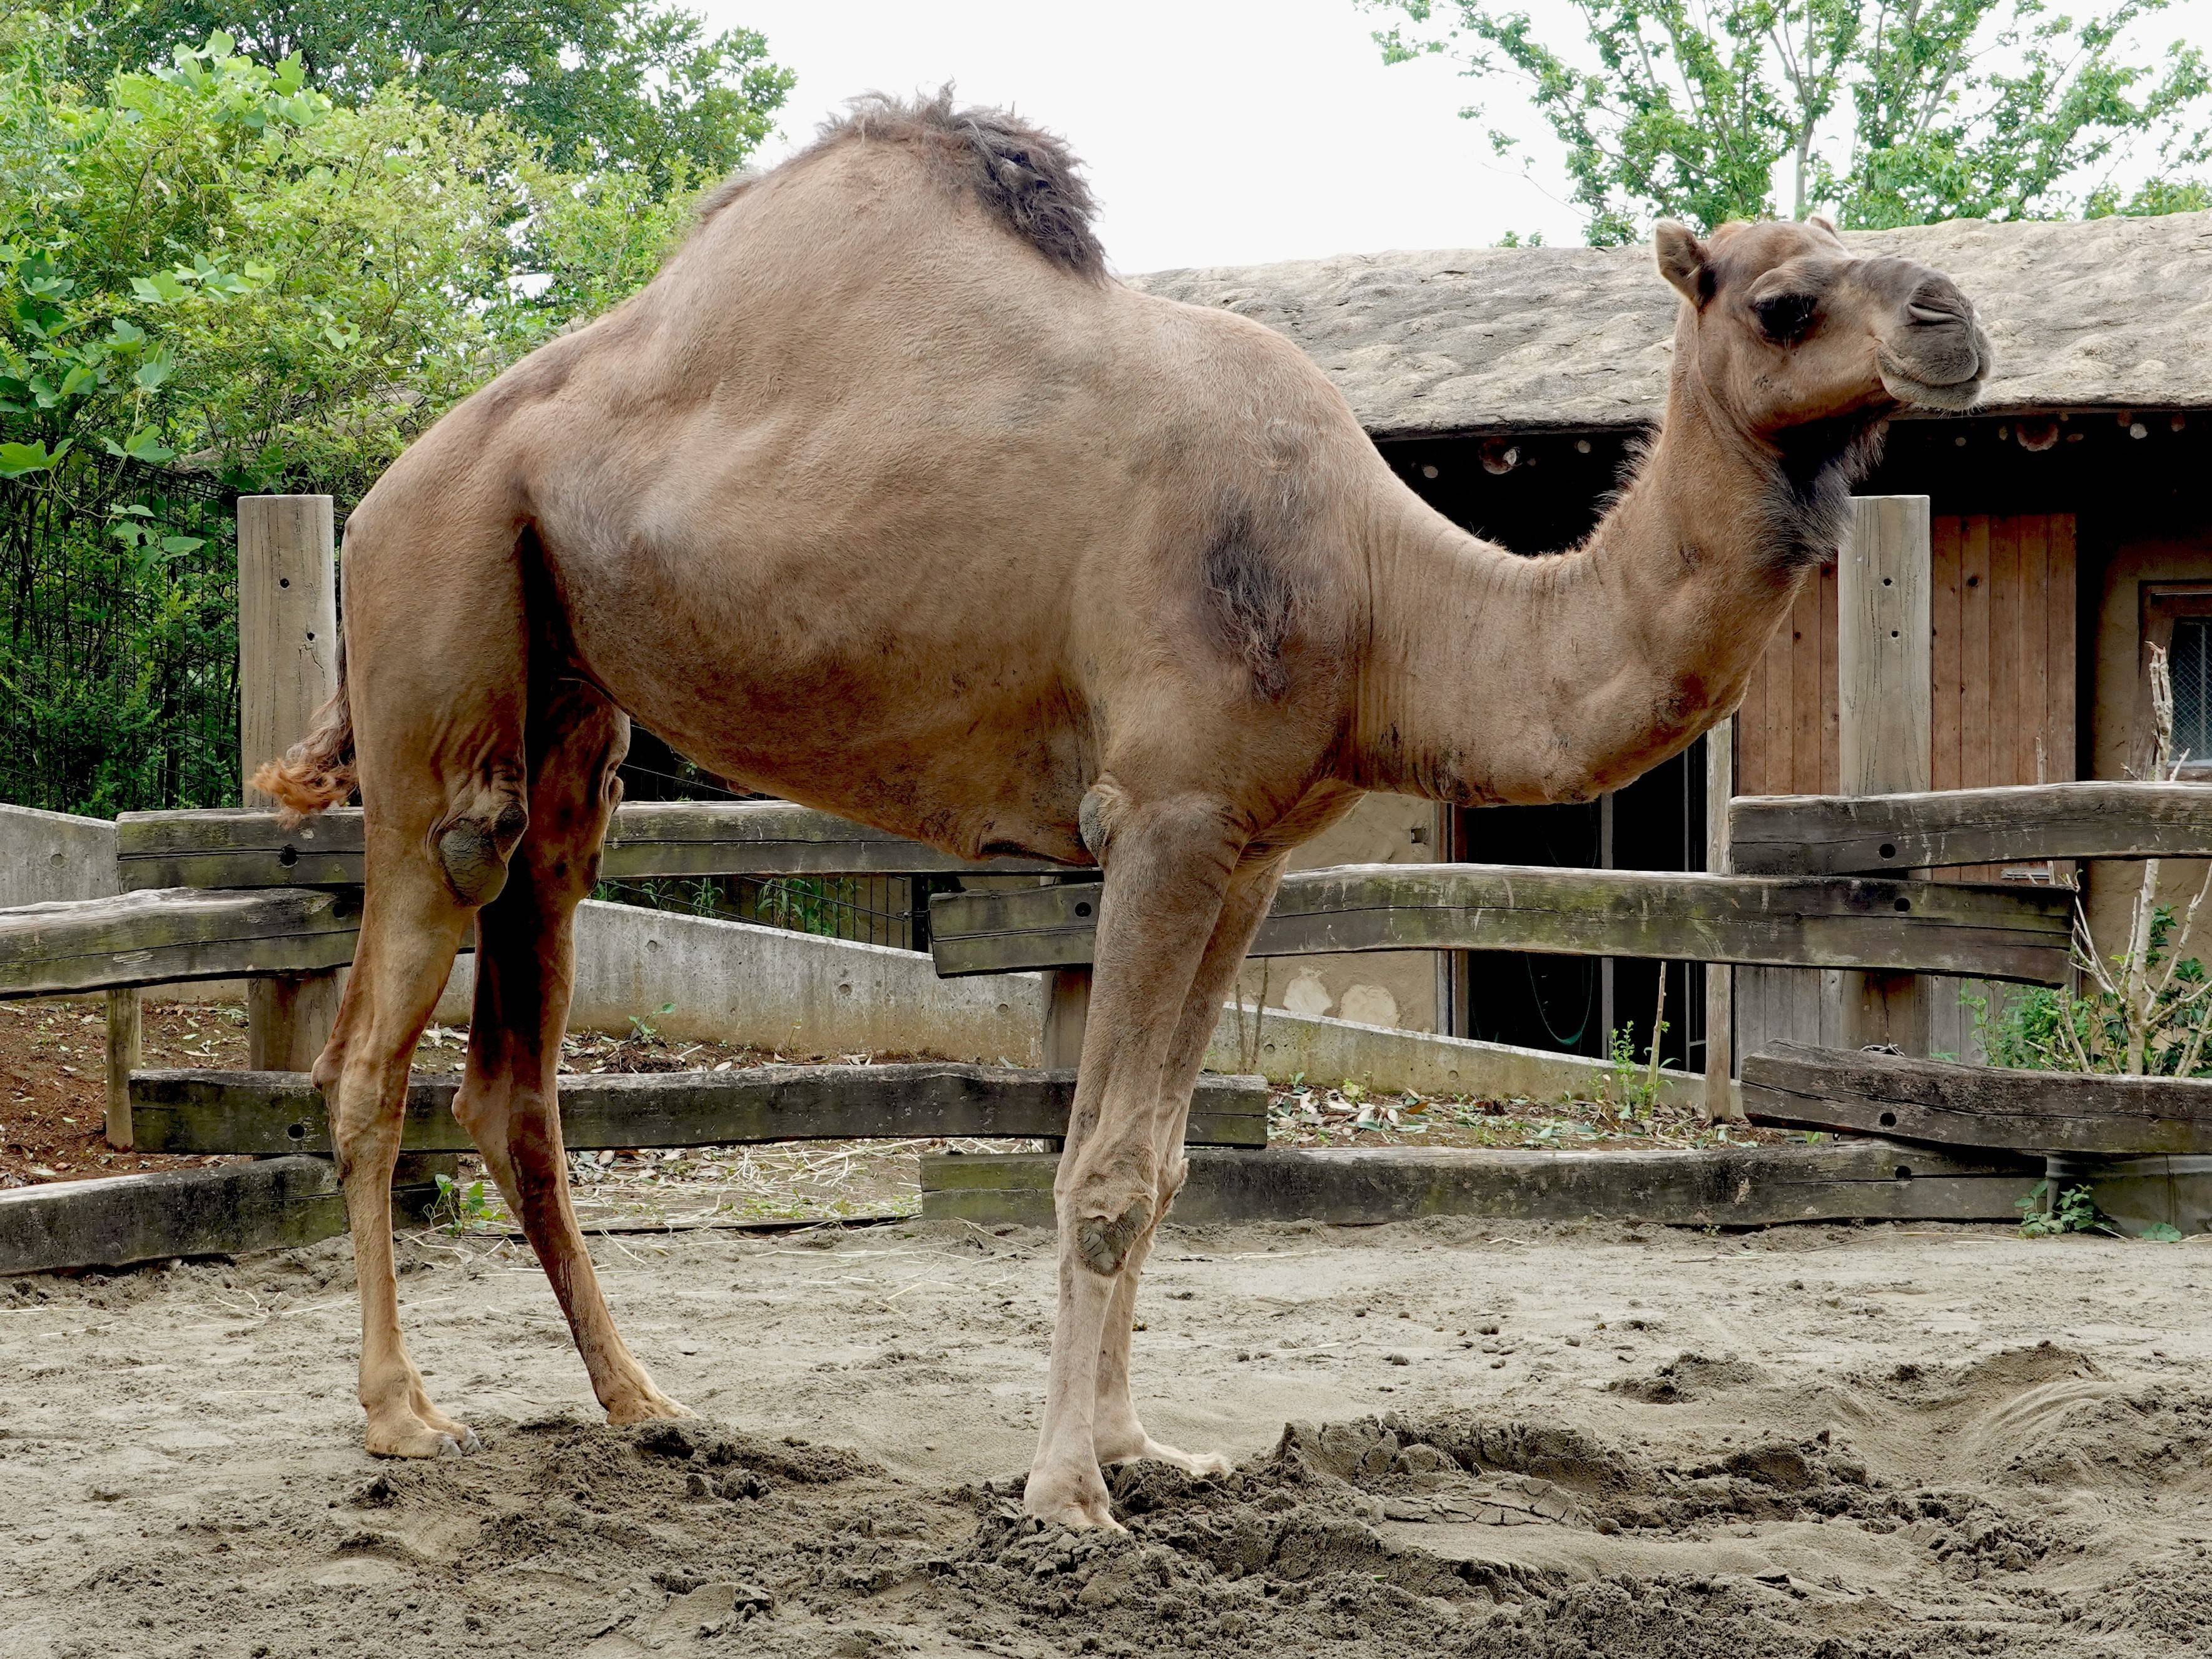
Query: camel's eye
point(1786, 316)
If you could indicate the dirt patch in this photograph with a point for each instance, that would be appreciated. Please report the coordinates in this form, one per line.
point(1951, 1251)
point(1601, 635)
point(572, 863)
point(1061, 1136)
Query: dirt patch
point(53, 1082)
point(1991, 1464)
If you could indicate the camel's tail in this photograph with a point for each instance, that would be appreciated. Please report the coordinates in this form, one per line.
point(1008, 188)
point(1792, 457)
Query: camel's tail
point(319, 770)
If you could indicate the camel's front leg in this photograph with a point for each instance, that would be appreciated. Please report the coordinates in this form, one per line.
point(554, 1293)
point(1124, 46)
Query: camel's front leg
point(1167, 870)
point(1121, 1436)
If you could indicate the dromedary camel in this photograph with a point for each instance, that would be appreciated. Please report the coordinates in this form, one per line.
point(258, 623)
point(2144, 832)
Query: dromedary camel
point(886, 498)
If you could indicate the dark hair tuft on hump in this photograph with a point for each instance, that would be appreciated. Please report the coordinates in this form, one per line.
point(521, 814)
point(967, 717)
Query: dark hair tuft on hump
point(1024, 174)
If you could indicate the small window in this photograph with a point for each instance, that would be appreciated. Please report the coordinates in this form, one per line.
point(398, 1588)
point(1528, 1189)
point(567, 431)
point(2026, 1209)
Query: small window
point(2177, 618)
point(2189, 661)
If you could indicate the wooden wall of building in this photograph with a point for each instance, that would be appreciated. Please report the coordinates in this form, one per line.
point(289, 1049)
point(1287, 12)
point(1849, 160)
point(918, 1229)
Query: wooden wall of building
point(2004, 618)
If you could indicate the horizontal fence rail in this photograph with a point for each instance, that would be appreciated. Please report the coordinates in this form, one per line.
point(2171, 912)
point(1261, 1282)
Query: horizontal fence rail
point(1931, 1100)
point(1747, 1187)
point(167, 936)
point(207, 1111)
point(1851, 834)
point(648, 838)
point(1908, 927)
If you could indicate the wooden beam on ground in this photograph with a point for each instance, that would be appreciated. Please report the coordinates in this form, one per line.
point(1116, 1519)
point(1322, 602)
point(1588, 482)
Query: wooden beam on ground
point(1993, 933)
point(1838, 835)
point(1977, 1106)
point(207, 1111)
point(1735, 1187)
point(274, 1203)
point(160, 938)
point(648, 838)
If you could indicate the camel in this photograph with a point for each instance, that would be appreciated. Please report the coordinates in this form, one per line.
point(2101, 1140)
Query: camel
point(885, 498)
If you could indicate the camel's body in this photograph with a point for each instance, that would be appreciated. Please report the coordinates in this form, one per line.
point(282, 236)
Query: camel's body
point(919, 548)
point(884, 499)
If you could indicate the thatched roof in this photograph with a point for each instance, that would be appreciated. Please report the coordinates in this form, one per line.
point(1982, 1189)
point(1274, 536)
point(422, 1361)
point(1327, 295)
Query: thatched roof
point(2110, 314)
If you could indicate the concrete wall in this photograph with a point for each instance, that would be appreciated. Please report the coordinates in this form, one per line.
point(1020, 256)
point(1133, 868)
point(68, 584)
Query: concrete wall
point(768, 988)
point(1381, 988)
point(48, 858)
point(1332, 1051)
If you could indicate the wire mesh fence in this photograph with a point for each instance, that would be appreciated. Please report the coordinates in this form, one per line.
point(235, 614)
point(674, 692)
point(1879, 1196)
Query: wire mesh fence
point(892, 910)
point(118, 647)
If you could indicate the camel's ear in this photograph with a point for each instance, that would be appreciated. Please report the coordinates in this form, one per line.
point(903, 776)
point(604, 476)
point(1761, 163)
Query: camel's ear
point(1682, 260)
point(1822, 222)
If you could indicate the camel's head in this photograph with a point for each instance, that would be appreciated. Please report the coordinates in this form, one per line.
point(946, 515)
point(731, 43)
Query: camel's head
point(1788, 327)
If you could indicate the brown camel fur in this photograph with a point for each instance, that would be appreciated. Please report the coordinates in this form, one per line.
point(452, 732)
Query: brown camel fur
point(884, 498)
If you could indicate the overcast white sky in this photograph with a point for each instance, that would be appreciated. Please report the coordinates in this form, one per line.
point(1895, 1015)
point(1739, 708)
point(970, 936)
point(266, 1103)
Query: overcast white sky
point(1215, 131)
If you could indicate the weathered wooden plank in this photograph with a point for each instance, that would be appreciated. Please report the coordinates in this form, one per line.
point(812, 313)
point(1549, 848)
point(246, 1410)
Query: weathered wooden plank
point(1994, 933)
point(274, 1203)
point(1977, 1106)
point(210, 1111)
point(1832, 835)
point(168, 936)
point(288, 668)
point(648, 838)
point(1758, 1186)
point(1884, 725)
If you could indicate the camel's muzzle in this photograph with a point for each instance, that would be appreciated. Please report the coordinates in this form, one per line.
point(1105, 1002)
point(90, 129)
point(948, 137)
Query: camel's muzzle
point(1937, 355)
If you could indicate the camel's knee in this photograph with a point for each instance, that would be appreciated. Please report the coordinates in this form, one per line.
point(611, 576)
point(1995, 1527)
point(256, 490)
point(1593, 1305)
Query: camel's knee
point(1106, 1207)
point(1103, 1243)
point(475, 839)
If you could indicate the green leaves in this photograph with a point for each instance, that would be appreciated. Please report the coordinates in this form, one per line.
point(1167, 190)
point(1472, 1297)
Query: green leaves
point(142, 446)
point(1742, 108)
point(18, 459)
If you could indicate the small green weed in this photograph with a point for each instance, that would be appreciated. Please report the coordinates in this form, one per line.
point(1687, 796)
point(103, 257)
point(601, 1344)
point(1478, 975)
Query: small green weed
point(460, 1208)
point(2072, 1210)
point(639, 1031)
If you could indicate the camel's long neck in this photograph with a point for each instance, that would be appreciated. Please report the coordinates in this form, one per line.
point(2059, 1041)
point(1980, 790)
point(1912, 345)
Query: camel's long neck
point(1495, 677)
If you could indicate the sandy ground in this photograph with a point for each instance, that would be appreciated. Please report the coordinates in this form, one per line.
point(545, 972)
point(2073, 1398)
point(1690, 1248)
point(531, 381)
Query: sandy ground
point(1880, 1443)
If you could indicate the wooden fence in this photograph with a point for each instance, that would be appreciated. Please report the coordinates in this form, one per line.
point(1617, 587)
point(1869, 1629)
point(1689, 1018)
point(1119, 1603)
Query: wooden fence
point(1818, 883)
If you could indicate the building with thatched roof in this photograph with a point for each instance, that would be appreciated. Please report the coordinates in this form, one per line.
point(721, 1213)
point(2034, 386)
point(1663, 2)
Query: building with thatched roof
point(2073, 527)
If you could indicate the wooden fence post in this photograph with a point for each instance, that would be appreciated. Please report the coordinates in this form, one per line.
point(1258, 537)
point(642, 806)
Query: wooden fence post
point(1883, 708)
point(1721, 1105)
point(1066, 1009)
point(288, 666)
point(124, 1049)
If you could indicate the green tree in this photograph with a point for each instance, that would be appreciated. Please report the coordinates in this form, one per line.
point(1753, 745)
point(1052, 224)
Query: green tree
point(628, 85)
point(1894, 111)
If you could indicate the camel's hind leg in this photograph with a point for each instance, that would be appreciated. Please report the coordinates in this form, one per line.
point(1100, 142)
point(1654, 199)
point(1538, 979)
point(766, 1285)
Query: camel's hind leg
point(1119, 1435)
point(411, 927)
point(525, 968)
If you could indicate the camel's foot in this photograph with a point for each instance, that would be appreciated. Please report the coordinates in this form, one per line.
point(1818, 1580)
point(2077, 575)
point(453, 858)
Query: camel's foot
point(405, 1431)
point(1070, 1497)
point(1145, 1450)
point(644, 1404)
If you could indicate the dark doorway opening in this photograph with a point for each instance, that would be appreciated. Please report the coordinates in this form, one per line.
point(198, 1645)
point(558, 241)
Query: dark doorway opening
point(1573, 1005)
